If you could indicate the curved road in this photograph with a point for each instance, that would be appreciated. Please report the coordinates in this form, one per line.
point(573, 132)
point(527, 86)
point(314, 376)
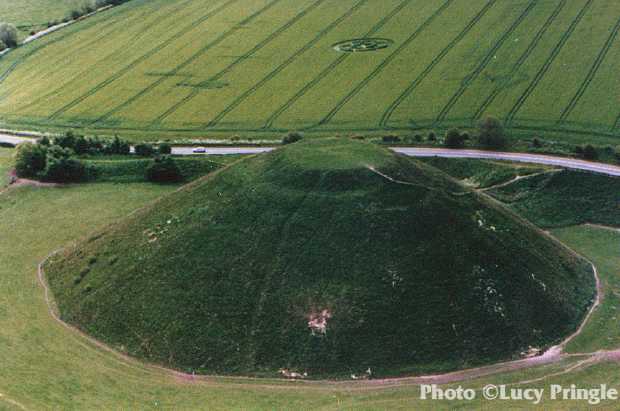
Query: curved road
point(565, 162)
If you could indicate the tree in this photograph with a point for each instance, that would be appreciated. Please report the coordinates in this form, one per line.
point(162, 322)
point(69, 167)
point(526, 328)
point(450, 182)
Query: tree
point(454, 139)
point(8, 35)
point(590, 153)
point(492, 133)
point(2, 46)
point(82, 145)
point(165, 148)
point(30, 160)
point(62, 167)
point(117, 146)
point(432, 136)
point(145, 150)
point(163, 170)
point(292, 137)
point(66, 141)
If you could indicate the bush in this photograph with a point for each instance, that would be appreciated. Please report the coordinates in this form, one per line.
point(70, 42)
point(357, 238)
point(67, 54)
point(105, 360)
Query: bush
point(391, 139)
point(432, 136)
point(292, 137)
point(30, 160)
point(62, 167)
point(82, 146)
point(536, 143)
point(454, 139)
point(165, 148)
point(492, 133)
point(117, 146)
point(45, 141)
point(2, 46)
point(590, 153)
point(617, 154)
point(418, 138)
point(8, 35)
point(145, 150)
point(76, 14)
point(163, 170)
point(66, 141)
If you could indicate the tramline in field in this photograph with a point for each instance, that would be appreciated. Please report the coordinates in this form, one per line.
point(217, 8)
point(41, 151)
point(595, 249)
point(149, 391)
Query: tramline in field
point(200, 67)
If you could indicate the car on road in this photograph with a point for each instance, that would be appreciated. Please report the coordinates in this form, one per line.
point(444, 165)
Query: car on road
point(200, 150)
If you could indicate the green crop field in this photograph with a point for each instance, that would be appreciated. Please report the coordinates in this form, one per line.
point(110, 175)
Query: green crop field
point(170, 68)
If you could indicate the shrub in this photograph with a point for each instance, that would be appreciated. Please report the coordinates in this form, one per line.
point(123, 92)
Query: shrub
point(536, 143)
point(62, 167)
point(145, 150)
point(617, 154)
point(66, 141)
point(2, 46)
point(82, 146)
point(163, 170)
point(391, 139)
point(30, 160)
point(492, 133)
point(165, 148)
point(454, 139)
point(75, 14)
point(5, 144)
point(117, 146)
point(292, 137)
point(418, 138)
point(579, 151)
point(590, 153)
point(432, 136)
point(45, 141)
point(8, 35)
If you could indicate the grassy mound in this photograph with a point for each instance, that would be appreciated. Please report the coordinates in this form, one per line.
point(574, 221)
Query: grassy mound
point(327, 256)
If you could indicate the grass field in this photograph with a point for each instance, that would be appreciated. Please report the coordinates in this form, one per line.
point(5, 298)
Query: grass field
point(45, 366)
point(6, 159)
point(29, 15)
point(222, 67)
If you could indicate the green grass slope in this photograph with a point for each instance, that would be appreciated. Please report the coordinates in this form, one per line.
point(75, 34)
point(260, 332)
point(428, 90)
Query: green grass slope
point(193, 68)
point(411, 275)
point(564, 199)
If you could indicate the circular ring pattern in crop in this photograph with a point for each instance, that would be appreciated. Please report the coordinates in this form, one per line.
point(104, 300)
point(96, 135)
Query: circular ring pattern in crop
point(361, 45)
